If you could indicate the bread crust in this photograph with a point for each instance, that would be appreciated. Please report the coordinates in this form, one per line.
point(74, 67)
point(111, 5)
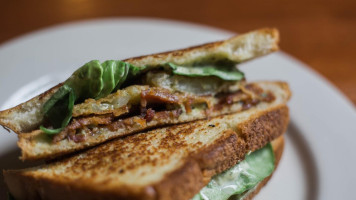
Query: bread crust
point(266, 127)
point(278, 147)
point(182, 183)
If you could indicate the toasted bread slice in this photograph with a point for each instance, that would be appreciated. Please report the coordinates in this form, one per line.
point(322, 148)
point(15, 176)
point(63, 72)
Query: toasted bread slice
point(28, 116)
point(167, 163)
point(37, 145)
point(239, 49)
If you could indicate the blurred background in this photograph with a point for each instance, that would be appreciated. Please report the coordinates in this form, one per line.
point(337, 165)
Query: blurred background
point(320, 33)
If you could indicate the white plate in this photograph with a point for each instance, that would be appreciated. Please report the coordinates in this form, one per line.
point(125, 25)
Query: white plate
point(318, 162)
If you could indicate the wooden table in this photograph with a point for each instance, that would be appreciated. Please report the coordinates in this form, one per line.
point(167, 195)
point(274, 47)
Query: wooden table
point(320, 33)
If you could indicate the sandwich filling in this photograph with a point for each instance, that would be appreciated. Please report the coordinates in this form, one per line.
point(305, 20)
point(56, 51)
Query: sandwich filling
point(236, 182)
point(116, 95)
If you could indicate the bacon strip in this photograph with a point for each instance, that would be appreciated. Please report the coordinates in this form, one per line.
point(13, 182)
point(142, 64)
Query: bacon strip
point(159, 95)
point(82, 122)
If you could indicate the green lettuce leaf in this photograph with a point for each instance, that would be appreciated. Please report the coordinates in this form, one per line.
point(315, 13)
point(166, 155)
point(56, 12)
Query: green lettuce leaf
point(97, 80)
point(233, 182)
point(93, 80)
point(230, 73)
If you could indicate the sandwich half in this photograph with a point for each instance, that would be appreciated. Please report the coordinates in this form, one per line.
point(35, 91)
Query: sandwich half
point(103, 101)
point(226, 157)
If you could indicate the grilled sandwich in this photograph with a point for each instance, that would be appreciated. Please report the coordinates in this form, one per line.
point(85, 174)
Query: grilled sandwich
point(111, 99)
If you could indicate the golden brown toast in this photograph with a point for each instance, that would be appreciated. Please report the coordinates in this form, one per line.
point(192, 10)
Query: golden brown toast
point(168, 163)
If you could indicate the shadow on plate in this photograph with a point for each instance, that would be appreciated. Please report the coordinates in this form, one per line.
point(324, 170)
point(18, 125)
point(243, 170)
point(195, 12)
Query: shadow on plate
point(308, 162)
point(10, 160)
